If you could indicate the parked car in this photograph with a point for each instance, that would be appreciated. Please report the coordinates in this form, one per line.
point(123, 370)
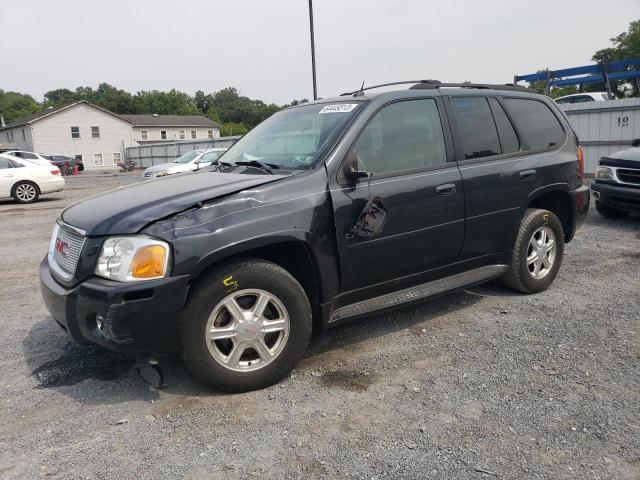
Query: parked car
point(325, 212)
point(32, 157)
point(188, 162)
point(616, 187)
point(65, 163)
point(26, 181)
point(583, 97)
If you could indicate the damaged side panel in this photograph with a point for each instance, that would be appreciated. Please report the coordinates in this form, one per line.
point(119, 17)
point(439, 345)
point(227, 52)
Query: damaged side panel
point(266, 215)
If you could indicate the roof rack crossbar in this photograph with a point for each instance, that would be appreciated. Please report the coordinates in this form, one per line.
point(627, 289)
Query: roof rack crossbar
point(435, 84)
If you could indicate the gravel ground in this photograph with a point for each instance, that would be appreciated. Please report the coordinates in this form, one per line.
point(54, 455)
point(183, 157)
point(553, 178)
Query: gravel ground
point(479, 384)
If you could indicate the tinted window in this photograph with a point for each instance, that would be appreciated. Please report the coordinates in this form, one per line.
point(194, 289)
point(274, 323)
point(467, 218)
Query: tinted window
point(4, 163)
point(537, 125)
point(508, 138)
point(402, 136)
point(477, 128)
point(28, 156)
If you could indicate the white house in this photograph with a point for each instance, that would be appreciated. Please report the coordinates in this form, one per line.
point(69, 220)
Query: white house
point(169, 128)
point(97, 136)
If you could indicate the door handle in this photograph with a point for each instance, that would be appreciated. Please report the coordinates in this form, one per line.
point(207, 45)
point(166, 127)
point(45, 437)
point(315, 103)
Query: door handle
point(446, 189)
point(527, 175)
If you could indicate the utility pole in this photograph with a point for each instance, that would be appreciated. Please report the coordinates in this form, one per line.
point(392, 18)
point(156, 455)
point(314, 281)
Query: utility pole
point(313, 51)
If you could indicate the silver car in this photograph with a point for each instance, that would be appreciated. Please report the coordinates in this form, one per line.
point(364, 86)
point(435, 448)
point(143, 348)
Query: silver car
point(190, 161)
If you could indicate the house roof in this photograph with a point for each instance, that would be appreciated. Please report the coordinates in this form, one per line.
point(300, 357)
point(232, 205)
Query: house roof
point(171, 121)
point(34, 117)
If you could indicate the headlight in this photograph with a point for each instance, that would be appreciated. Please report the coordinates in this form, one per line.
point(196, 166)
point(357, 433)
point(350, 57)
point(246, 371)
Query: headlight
point(604, 173)
point(133, 258)
point(161, 173)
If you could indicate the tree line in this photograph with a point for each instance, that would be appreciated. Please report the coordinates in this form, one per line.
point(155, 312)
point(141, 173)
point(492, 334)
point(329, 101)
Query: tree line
point(237, 114)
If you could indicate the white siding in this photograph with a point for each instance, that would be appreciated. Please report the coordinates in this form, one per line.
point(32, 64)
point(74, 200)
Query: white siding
point(173, 133)
point(52, 135)
point(18, 141)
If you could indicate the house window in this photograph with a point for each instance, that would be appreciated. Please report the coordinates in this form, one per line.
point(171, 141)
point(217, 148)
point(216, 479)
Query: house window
point(78, 156)
point(75, 132)
point(95, 132)
point(210, 133)
point(117, 157)
point(194, 135)
point(24, 137)
point(163, 134)
point(181, 134)
point(144, 135)
point(97, 159)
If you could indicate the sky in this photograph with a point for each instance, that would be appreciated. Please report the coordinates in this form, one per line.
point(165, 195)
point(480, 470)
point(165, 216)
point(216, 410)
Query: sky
point(262, 47)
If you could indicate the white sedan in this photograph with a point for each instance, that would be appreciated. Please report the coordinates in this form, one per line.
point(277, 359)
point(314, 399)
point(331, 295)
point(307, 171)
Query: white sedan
point(26, 181)
point(31, 156)
point(188, 162)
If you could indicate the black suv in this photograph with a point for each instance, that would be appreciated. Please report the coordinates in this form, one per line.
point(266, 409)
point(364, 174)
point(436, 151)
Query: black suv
point(325, 212)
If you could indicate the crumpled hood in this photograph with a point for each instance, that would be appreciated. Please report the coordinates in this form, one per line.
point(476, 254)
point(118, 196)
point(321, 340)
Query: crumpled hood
point(129, 209)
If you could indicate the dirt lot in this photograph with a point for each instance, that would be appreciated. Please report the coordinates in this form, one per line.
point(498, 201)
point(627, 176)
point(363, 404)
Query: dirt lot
point(479, 384)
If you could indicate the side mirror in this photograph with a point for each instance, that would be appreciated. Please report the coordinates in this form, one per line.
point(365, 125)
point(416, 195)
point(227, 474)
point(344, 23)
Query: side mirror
point(350, 169)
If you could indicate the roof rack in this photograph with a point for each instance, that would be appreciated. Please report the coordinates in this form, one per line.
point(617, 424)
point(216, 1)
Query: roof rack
point(435, 84)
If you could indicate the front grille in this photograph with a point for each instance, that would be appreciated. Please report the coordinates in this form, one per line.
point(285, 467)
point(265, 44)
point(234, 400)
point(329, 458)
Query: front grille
point(67, 248)
point(629, 175)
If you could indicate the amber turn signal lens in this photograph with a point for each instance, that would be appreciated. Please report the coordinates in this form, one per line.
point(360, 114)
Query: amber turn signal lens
point(149, 262)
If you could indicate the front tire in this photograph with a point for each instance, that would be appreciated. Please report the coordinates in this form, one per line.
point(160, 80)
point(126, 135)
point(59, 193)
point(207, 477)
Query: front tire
point(537, 254)
point(25, 192)
point(610, 212)
point(245, 326)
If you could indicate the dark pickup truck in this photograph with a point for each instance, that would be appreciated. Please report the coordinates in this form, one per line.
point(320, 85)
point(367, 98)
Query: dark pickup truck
point(616, 187)
point(325, 212)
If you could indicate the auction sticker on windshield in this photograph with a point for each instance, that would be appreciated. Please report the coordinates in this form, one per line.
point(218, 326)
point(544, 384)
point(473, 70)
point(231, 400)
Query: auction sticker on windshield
point(338, 108)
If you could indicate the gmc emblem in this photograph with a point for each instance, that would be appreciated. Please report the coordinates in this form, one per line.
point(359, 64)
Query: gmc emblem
point(61, 246)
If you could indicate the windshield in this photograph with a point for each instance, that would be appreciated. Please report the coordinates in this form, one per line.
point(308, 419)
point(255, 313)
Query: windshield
point(188, 157)
point(294, 138)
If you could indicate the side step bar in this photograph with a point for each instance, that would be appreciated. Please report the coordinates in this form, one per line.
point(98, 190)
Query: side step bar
point(419, 292)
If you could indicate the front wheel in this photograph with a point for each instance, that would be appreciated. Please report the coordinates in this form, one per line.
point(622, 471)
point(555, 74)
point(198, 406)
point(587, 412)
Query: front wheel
point(537, 253)
point(245, 326)
point(610, 212)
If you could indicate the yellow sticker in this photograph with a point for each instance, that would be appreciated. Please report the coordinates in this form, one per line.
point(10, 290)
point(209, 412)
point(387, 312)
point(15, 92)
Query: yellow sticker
point(546, 217)
point(230, 283)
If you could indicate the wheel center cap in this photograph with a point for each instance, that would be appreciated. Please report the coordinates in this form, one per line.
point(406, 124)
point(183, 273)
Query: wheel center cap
point(249, 329)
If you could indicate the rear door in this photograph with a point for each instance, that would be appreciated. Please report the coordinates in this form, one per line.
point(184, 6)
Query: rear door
point(7, 177)
point(503, 146)
point(414, 178)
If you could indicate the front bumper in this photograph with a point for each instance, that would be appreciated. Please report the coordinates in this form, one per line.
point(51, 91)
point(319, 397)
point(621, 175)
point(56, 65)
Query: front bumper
point(617, 196)
point(139, 317)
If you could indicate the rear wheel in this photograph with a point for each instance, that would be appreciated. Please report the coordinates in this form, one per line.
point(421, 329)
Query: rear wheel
point(537, 253)
point(610, 212)
point(25, 192)
point(245, 327)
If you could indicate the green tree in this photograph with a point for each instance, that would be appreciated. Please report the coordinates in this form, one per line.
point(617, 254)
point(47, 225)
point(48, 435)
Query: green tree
point(625, 46)
point(230, 129)
point(14, 105)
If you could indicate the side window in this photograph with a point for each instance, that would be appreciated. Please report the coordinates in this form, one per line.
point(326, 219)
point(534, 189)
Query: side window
point(402, 136)
point(28, 156)
point(209, 157)
point(537, 125)
point(507, 135)
point(477, 128)
point(4, 163)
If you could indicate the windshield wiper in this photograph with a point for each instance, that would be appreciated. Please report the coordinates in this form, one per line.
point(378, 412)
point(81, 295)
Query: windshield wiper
point(267, 167)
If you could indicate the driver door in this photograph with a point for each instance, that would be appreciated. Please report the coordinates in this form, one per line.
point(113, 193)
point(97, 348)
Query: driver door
point(415, 179)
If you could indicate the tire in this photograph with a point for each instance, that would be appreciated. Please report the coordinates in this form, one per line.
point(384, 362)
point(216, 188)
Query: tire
point(287, 310)
point(25, 192)
point(610, 212)
point(530, 273)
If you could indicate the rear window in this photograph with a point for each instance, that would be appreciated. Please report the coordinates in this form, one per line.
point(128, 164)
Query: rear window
point(538, 127)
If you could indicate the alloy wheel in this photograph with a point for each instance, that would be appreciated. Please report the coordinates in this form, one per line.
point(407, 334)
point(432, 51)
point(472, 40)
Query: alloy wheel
point(26, 192)
point(541, 252)
point(247, 330)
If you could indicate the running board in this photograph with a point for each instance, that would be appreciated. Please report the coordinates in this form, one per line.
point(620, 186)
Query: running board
point(419, 292)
